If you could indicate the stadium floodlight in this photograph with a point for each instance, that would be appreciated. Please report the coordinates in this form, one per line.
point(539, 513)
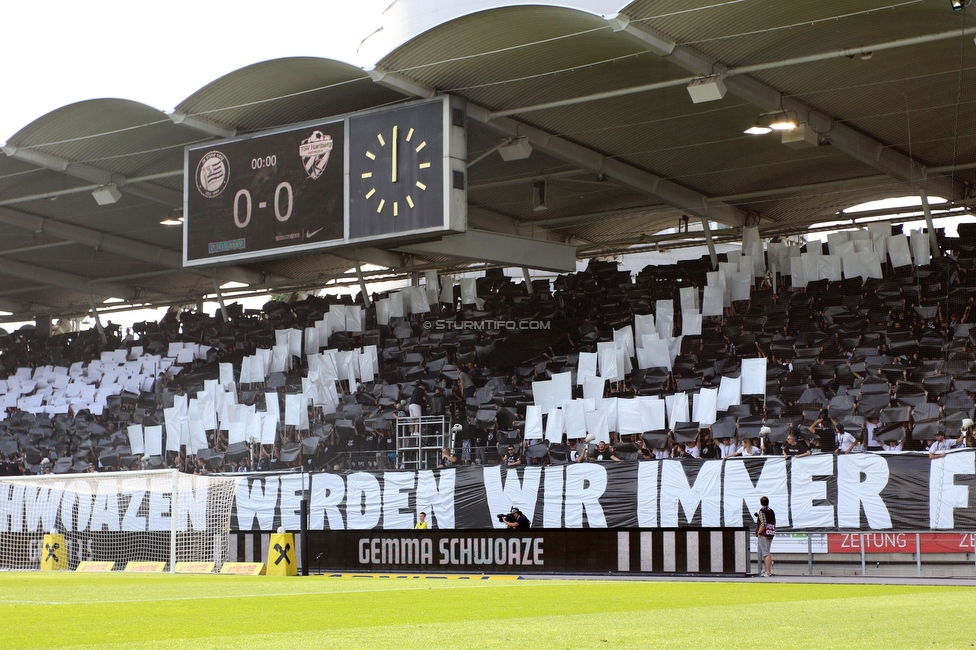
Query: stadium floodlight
point(174, 218)
point(160, 516)
point(783, 122)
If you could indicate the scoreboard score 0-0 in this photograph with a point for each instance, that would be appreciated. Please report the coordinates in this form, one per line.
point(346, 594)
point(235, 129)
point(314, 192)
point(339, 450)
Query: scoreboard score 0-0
point(253, 196)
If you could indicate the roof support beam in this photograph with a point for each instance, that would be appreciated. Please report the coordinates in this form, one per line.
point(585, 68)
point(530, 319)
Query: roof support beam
point(121, 246)
point(370, 255)
point(624, 174)
point(481, 246)
point(845, 138)
point(584, 158)
point(69, 281)
point(484, 218)
point(157, 193)
point(603, 216)
point(572, 173)
point(16, 306)
point(81, 189)
point(202, 125)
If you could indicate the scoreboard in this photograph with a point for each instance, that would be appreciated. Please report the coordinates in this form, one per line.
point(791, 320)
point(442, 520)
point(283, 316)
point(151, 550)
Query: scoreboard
point(265, 193)
point(292, 190)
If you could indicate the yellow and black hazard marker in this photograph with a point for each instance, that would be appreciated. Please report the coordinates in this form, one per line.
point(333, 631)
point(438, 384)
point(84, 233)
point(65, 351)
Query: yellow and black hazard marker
point(54, 553)
point(281, 555)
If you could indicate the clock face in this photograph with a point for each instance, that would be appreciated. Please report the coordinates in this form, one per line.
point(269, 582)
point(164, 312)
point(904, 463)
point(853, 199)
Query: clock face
point(396, 171)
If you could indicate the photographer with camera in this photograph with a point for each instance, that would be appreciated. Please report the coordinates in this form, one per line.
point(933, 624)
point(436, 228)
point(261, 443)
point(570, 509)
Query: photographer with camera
point(515, 519)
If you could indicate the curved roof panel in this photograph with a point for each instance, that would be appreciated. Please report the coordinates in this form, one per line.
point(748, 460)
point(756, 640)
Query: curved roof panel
point(285, 91)
point(908, 105)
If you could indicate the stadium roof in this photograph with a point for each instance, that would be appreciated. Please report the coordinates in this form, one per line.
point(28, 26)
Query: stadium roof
point(883, 93)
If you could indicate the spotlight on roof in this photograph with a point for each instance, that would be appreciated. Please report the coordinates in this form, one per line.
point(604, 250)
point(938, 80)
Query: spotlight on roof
point(706, 89)
point(107, 194)
point(959, 5)
point(515, 149)
point(756, 129)
point(783, 122)
point(174, 218)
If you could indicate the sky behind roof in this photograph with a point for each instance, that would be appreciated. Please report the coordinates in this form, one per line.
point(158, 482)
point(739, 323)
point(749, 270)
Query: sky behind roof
point(58, 53)
point(61, 52)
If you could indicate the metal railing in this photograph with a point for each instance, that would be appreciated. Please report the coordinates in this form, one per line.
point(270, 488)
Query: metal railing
point(420, 441)
point(901, 554)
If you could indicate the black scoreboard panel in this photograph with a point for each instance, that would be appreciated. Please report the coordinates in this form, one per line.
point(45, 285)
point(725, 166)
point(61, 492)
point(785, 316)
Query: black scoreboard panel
point(264, 195)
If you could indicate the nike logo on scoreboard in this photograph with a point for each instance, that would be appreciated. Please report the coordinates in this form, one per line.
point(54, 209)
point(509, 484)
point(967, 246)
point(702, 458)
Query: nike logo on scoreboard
point(311, 233)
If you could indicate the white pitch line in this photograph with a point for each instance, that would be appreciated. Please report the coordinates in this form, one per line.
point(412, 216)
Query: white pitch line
point(420, 585)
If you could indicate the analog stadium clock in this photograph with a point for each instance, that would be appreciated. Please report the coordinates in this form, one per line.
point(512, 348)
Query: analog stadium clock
point(399, 168)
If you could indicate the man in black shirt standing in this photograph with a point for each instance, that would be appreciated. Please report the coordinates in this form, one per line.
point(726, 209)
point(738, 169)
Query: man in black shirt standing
point(418, 400)
point(709, 450)
point(765, 530)
point(437, 403)
point(795, 448)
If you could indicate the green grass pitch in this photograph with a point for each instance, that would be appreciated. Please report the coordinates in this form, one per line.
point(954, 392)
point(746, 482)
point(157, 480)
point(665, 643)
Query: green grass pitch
point(65, 610)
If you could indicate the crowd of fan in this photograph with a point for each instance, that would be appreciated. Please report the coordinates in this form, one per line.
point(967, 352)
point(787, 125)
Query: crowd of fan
point(877, 365)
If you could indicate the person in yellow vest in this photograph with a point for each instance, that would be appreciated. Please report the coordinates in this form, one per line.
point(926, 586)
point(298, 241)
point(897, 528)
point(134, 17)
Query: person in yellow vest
point(422, 523)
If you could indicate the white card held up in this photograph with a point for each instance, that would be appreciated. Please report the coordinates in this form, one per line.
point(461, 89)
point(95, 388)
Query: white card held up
point(469, 291)
point(754, 376)
point(677, 406)
point(597, 425)
point(586, 366)
point(729, 393)
point(703, 411)
point(136, 439)
point(608, 360)
point(533, 423)
point(629, 417)
point(653, 413)
point(664, 318)
point(154, 440)
point(574, 416)
point(643, 326)
point(593, 387)
point(554, 426)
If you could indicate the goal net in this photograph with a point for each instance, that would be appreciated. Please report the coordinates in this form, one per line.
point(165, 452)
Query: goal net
point(121, 517)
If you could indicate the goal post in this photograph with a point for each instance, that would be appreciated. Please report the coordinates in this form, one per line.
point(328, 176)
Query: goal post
point(121, 517)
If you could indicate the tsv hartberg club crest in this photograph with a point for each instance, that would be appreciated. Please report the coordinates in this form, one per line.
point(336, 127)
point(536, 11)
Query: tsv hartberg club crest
point(315, 151)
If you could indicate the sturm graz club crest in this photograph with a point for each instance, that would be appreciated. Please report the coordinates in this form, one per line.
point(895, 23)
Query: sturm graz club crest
point(213, 174)
point(315, 151)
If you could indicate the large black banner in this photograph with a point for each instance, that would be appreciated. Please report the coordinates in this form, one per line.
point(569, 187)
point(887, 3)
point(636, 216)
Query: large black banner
point(871, 492)
point(822, 492)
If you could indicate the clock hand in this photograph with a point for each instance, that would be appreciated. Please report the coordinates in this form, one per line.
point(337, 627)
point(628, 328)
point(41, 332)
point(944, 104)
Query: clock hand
point(394, 154)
